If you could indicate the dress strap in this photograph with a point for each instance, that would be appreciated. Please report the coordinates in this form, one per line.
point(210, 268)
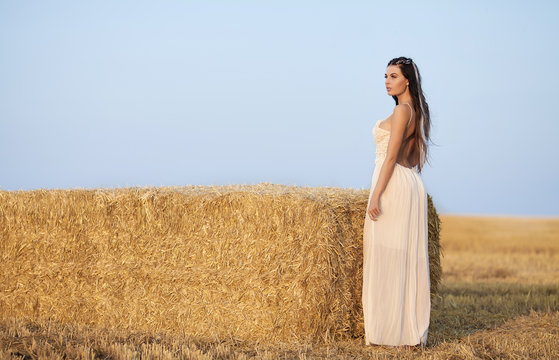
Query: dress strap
point(411, 112)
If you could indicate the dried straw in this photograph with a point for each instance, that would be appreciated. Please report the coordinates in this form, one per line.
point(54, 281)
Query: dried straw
point(257, 263)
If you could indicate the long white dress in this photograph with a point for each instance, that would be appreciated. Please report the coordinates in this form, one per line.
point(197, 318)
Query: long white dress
point(396, 283)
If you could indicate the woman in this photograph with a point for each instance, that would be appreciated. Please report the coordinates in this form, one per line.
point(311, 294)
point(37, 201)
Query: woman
point(396, 283)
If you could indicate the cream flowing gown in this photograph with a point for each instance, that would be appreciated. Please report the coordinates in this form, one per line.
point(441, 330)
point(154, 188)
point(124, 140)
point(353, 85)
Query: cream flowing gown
point(396, 284)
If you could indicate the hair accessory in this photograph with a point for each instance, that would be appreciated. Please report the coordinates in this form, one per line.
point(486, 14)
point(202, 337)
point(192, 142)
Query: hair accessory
point(404, 61)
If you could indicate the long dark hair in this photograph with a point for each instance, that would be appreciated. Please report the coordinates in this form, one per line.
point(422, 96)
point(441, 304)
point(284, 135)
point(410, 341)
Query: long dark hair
point(411, 72)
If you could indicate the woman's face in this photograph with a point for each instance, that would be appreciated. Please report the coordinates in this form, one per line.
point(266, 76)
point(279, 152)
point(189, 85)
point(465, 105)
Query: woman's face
point(395, 81)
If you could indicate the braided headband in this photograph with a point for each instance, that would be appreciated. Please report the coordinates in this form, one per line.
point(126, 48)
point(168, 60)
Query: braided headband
point(403, 61)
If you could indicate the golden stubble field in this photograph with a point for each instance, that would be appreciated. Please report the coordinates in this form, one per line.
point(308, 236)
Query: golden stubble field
point(499, 299)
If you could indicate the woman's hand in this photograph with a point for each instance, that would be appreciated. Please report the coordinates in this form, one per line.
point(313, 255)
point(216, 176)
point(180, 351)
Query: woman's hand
point(374, 208)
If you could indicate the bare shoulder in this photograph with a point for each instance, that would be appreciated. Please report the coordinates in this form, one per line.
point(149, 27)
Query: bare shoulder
point(402, 113)
point(406, 108)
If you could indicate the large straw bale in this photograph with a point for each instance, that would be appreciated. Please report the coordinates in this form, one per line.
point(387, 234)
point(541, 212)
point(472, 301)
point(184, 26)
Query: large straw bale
point(259, 263)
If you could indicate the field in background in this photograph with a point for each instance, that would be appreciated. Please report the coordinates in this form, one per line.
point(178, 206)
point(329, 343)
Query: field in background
point(508, 250)
point(499, 298)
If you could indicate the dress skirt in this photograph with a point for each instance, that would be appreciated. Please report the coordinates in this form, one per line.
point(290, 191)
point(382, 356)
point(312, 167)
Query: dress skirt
point(396, 284)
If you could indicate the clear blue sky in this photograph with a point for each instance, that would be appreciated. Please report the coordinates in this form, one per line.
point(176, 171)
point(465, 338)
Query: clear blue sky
point(155, 93)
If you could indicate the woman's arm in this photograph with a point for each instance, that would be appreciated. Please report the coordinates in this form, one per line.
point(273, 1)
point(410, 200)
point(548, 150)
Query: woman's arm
point(397, 132)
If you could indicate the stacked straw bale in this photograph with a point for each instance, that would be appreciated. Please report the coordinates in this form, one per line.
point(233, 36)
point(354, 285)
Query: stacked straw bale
point(257, 263)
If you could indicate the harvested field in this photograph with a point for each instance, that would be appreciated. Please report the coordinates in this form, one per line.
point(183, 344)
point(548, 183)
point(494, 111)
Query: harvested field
point(498, 298)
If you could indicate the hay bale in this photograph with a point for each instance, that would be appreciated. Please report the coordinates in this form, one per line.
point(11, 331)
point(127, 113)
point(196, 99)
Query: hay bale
point(257, 263)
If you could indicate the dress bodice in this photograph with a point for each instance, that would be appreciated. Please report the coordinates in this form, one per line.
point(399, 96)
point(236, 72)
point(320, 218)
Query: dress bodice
point(381, 137)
